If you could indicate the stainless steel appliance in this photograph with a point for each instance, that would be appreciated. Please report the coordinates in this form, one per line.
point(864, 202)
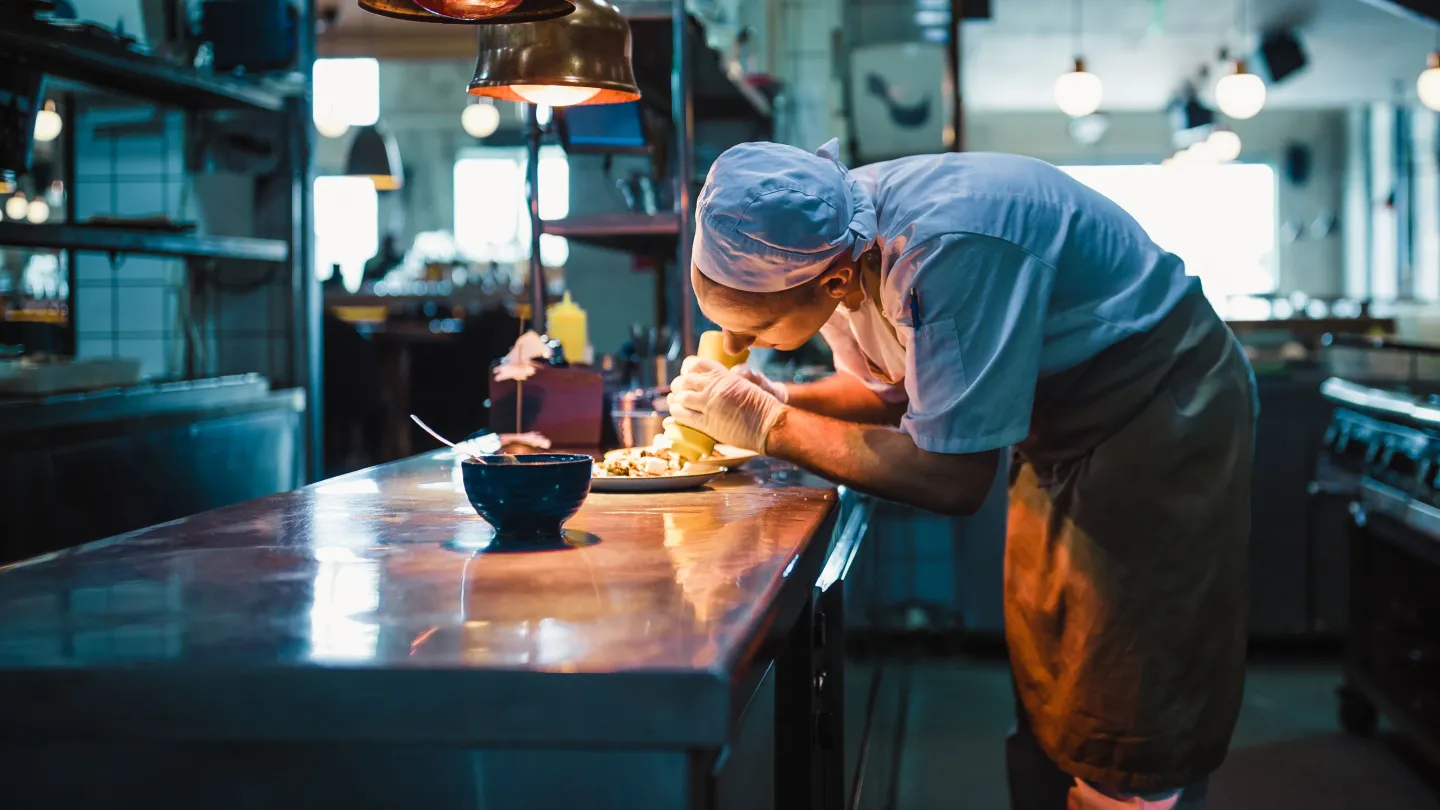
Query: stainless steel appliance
point(639, 415)
point(1381, 457)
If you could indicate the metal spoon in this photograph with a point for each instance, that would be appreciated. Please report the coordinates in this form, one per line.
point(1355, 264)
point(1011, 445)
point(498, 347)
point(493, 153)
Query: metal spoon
point(498, 458)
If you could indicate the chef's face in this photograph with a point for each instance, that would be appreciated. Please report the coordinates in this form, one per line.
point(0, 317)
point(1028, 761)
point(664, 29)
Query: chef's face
point(784, 320)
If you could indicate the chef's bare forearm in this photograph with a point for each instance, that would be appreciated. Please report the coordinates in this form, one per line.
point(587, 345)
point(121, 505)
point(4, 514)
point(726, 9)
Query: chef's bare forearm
point(842, 396)
point(884, 462)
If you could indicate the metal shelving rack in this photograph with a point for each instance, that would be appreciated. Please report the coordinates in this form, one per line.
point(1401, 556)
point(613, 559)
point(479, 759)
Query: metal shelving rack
point(123, 240)
point(76, 58)
point(679, 76)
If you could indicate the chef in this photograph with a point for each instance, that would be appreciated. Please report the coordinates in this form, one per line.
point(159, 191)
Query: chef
point(979, 304)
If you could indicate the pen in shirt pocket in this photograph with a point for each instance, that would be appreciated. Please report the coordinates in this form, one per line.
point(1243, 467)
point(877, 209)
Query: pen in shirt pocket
point(914, 309)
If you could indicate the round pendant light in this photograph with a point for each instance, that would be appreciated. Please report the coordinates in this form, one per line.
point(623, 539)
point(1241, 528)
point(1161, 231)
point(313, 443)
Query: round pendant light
point(1224, 144)
point(37, 212)
point(470, 12)
point(1428, 85)
point(48, 123)
point(375, 156)
point(1240, 94)
point(17, 206)
point(583, 58)
point(1078, 92)
point(480, 119)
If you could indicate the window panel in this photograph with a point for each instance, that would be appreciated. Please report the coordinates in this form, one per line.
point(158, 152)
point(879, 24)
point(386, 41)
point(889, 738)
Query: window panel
point(347, 91)
point(492, 218)
point(1219, 219)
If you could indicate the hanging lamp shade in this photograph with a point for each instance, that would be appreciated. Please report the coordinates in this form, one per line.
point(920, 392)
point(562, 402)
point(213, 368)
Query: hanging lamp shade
point(375, 156)
point(583, 58)
point(470, 12)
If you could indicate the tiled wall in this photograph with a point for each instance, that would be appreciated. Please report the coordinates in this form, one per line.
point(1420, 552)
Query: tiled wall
point(130, 162)
point(127, 306)
point(809, 113)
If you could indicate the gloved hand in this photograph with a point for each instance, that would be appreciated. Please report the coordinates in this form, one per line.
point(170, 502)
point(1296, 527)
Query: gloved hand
point(769, 386)
point(723, 405)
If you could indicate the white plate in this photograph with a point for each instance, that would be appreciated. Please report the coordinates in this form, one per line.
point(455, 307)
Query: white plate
point(657, 483)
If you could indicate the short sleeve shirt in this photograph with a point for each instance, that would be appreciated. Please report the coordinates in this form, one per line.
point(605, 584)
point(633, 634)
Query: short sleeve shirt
point(997, 270)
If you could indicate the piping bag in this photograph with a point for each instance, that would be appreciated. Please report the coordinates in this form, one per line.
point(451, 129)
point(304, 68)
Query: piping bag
point(691, 444)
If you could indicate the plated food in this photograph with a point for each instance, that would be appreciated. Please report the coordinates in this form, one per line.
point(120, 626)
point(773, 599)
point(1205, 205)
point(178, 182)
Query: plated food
point(654, 468)
point(640, 462)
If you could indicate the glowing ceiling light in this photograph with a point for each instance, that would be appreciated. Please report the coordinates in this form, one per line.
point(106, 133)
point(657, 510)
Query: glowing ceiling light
point(1428, 85)
point(480, 120)
point(1078, 92)
point(37, 211)
point(1224, 144)
point(16, 206)
point(48, 123)
point(551, 95)
point(1240, 94)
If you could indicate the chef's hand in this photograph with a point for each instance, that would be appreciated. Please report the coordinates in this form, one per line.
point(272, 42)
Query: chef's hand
point(723, 405)
point(769, 386)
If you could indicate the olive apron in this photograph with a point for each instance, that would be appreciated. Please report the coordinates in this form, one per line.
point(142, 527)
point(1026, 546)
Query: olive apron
point(1126, 555)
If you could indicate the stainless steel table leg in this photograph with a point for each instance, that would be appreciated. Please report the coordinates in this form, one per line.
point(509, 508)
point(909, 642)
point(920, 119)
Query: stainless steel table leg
point(796, 708)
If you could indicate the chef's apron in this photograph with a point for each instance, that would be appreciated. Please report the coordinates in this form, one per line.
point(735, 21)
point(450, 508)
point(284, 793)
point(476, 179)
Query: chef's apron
point(1126, 555)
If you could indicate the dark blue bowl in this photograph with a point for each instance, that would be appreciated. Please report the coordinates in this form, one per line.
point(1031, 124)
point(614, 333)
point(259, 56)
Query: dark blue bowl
point(530, 498)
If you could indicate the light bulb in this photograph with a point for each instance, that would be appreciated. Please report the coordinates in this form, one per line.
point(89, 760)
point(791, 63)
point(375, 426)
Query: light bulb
point(1078, 92)
point(554, 95)
point(48, 123)
point(1199, 152)
point(37, 212)
point(1224, 145)
point(480, 120)
point(468, 9)
point(16, 206)
point(1428, 85)
point(1241, 94)
point(330, 123)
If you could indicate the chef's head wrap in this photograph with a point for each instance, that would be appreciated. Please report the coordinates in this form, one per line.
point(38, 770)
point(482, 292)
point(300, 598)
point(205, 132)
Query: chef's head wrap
point(772, 217)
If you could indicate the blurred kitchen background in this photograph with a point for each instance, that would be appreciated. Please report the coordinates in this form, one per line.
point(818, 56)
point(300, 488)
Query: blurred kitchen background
point(160, 248)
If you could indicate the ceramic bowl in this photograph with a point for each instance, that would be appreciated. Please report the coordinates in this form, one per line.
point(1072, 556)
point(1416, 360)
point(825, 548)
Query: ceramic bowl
point(530, 497)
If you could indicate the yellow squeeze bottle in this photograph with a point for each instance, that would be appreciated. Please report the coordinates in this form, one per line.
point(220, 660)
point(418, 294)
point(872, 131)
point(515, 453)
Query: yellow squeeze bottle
point(692, 445)
point(565, 322)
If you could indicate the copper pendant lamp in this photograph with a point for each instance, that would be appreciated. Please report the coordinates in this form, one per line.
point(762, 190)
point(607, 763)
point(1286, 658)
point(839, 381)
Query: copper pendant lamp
point(580, 59)
point(470, 12)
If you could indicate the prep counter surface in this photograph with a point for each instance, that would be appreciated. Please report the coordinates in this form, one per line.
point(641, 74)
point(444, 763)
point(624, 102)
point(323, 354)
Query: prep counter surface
point(358, 609)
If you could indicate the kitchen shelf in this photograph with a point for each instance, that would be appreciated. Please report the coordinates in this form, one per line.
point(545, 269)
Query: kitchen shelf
point(633, 233)
point(120, 240)
point(717, 94)
point(67, 54)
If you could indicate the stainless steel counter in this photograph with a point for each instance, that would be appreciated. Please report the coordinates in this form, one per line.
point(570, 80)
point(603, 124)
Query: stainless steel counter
point(367, 610)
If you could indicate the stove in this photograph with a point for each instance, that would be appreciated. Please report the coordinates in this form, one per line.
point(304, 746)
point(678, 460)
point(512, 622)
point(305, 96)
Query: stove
point(1381, 454)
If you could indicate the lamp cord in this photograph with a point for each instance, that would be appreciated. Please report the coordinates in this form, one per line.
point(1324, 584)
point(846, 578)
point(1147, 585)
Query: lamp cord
point(1077, 21)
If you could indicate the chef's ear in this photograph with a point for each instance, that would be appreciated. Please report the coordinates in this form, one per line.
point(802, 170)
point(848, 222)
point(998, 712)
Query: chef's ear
point(837, 279)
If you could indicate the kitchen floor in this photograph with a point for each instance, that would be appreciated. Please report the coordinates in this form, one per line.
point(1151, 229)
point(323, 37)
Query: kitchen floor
point(1289, 751)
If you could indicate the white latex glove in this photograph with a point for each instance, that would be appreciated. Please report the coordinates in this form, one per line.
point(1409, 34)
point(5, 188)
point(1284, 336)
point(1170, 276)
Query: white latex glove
point(723, 405)
point(771, 387)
